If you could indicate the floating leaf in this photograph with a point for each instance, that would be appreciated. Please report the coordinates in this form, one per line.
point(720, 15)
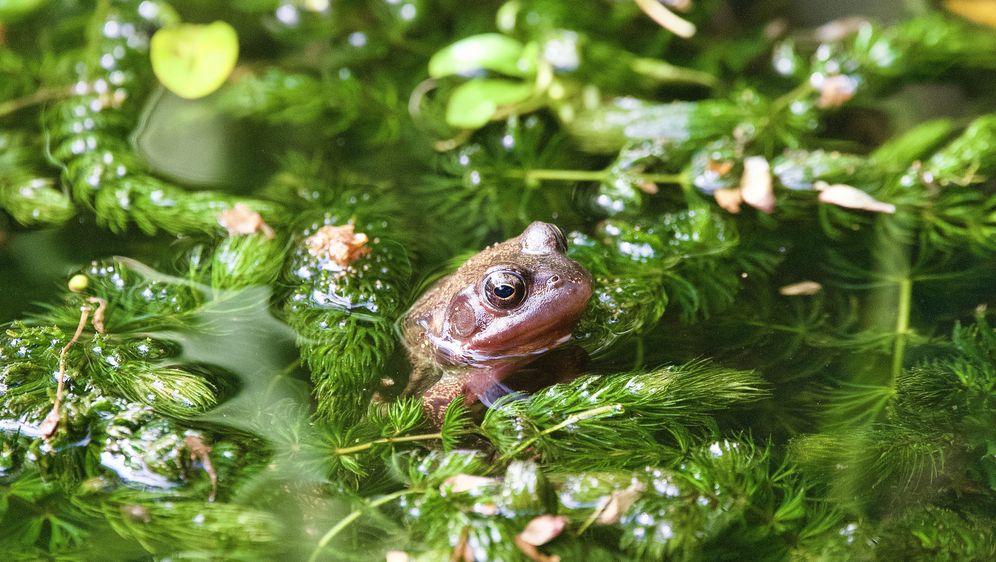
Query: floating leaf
point(193, 60)
point(474, 103)
point(488, 51)
point(11, 10)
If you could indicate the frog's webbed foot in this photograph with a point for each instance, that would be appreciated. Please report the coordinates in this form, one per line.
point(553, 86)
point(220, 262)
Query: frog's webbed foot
point(472, 384)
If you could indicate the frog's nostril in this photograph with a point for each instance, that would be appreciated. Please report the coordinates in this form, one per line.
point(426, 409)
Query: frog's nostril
point(554, 282)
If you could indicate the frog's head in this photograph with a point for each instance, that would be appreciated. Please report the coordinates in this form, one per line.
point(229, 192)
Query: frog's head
point(517, 298)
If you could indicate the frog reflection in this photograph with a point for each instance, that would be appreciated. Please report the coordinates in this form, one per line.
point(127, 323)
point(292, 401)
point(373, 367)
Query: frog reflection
point(500, 311)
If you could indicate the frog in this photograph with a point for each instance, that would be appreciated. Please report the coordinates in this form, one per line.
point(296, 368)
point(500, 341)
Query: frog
point(500, 311)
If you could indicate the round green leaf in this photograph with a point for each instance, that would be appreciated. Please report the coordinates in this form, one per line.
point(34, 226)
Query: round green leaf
point(488, 51)
point(473, 103)
point(11, 10)
point(194, 60)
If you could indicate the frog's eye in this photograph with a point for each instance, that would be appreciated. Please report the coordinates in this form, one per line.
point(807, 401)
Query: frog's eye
point(504, 289)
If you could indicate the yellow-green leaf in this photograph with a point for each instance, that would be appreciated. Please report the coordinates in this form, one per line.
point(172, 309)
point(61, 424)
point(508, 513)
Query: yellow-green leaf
point(193, 60)
point(11, 10)
point(473, 103)
point(488, 51)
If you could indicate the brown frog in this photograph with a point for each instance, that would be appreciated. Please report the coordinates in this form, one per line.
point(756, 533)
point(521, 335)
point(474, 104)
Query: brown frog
point(498, 312)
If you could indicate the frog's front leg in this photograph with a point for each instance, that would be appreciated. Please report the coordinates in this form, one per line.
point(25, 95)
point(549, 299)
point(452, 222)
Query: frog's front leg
point(469, 382)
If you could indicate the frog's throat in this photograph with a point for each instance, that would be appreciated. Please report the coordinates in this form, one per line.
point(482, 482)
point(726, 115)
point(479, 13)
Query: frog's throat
point(453, 353)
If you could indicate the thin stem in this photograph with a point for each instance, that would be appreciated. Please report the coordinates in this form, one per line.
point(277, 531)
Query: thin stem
point(666, 18)
point(591, 175)
point(51, 421)
point(902, 326)
point(39, 96)
point(403, 439)
point(610, 409)
point(668, 73)
point(353, 516)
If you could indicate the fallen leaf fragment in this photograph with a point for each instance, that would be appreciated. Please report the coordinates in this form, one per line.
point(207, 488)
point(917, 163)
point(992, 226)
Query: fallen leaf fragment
point(340, 245)
point(851, 198)
point(801, 288)
point(616, 504)
point(719, 167)
point(836, 90)
point(486, 509)
point(242, 220)
point(729, 199)
point(539, 531)
point(461, 483)
point(543, 529)
point(756, 188)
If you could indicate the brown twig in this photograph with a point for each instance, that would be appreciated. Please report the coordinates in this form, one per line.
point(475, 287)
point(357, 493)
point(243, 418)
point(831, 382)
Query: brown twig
point(51, 422)
point(200, 451)
point(39, 96)
point(98, 314)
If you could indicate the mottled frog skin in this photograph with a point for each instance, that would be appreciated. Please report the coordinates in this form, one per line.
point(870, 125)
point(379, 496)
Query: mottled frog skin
point(502, 309)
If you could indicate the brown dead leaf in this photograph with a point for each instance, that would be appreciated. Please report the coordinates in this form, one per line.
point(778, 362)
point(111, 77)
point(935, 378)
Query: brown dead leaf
point(719, 167)
point(851, 197)
point(616, 504)
point(756, 187)
point(729, 199)
point(240, 219)
point(836, 90)
point(800, 288)
point(340, 245)
point(543, 529)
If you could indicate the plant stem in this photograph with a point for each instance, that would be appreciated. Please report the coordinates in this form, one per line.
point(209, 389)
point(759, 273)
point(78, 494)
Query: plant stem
point(591, 175)
point(51, 422)
point(610, 409)
point(403, 439)
point(39, 96)
point(668, 73)
point(902, 325)
point(353, 516)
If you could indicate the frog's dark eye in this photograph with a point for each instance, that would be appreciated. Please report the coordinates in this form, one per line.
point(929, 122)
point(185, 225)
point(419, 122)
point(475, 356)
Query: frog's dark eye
point(504, 289)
